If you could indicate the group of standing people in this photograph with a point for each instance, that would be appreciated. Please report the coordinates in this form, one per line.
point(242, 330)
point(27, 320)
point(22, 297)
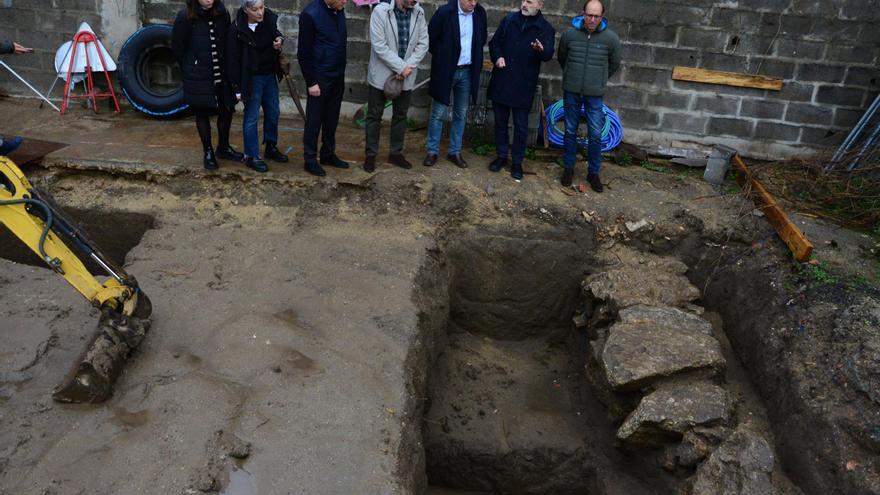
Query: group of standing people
point(8, 145)
point(225, 60)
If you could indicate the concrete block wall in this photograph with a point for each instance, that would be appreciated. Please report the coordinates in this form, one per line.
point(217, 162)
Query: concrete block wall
point(826, 53)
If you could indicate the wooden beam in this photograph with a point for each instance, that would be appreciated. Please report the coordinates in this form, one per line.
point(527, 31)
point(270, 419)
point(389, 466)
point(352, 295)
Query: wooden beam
point(799, 245)
point(680, 73)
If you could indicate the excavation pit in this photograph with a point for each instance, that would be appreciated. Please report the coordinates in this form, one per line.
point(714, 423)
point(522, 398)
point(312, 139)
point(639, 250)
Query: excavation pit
point(510, 409)
point(115, 233)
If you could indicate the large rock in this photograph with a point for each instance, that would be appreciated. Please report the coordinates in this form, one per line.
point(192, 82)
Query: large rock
point(740, 466)
point(664, 315)
point(638, 354)
point(664, 415)
point(657, 282)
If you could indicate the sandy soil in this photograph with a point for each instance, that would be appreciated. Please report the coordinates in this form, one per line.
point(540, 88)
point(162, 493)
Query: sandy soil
point(288, 330)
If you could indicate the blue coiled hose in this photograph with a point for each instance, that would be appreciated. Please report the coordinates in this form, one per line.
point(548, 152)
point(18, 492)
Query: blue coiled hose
point(612, 131)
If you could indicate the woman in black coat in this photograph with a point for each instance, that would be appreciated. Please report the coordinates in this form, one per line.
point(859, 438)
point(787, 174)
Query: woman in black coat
point(198, 41)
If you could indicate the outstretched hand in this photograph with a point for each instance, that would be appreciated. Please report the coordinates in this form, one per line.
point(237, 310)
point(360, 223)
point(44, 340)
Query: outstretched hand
point(19, 50)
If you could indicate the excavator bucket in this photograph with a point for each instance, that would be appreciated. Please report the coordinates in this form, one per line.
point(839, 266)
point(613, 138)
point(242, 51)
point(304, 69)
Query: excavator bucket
point(33, 216)
point(91, 378)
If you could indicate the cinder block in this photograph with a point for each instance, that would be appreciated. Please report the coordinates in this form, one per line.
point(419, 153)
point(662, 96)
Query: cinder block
point(822, 136)
point(638, 118)
point(684, 122)
point(650, 32)
point(800, 49)
point(702, 38)
point(857, 54)
point(683, 15)
point(770, 5)
point(736, 20)
point(623, 96)
point(632, 53)
point(836, 30)
point(719, 126)
point(752, 44)
point(801, 113)
point(860, 9)
point(837, 95)
point(811, 71)
point(868, 77)
point(675, 56)
point(772, 22)
point(669, 99)
point(771, 67)
point(721, 61)
point(793, 91)
point(773, 131)
point(846, 117)
point(762, 109)
point(658, 78)
point(718, 105)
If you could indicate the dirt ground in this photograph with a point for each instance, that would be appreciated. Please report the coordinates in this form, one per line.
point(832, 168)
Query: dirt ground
point(295, 318)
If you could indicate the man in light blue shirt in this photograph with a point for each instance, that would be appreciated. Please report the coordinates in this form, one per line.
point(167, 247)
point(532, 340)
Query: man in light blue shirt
point(457, 33)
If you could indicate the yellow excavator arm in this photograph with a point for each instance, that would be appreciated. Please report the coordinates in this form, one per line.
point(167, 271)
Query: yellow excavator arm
point(32, 216)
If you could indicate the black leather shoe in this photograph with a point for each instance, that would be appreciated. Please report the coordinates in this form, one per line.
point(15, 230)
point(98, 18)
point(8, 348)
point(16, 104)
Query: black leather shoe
point(516, 171)
point(595, 183)
point(314, 168)
point(227, 153)
point(567, 175)
point(430, 160)
point(497, 164)
point(370, 164)
point(10, 145)
point(399, 160)
point(210, 160)
point(274, 154)
point(457, 160)
point(334, 161)
point(256, 164)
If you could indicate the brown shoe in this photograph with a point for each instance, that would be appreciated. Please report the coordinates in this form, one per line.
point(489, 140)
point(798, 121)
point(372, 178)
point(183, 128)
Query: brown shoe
point(370, 164)
point(457, 160)
point(430, 160)
point(399, 160)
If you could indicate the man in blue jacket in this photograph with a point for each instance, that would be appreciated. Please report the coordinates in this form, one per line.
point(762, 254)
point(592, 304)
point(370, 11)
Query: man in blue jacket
point(321, 54)
point(589, 54)
point(522, 41)
point(457, 33)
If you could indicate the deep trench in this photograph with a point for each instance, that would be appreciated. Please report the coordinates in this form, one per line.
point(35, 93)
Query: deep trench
point(114, 233)
point(509, 409)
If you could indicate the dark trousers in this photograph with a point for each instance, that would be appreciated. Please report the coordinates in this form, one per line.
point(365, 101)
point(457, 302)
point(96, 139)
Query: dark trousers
point(520, 129)
point(322, 117)
point(375, 108)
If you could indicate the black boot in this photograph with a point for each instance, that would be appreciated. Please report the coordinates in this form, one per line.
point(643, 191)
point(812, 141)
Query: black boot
point(210, 160)
point(228, 153)
point(567, 175)
point(497, 164)
point(516, 171)
point(274, 154)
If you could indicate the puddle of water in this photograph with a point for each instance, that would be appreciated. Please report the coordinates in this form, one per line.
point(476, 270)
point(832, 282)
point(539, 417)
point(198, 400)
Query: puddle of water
point(241, 482)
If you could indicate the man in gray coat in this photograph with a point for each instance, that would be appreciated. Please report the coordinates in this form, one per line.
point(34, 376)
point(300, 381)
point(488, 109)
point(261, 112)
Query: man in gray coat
point(398, 42)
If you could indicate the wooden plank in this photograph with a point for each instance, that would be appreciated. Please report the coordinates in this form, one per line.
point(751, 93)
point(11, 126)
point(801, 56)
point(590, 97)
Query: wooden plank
point(680, 73)
point(799, 245)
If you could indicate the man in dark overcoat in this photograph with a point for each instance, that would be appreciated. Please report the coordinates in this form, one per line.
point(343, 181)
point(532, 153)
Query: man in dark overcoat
point(456, 36)
point(522, 41)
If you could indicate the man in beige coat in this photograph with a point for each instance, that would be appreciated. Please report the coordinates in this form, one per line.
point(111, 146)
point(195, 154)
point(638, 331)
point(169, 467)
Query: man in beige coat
point(398, 42)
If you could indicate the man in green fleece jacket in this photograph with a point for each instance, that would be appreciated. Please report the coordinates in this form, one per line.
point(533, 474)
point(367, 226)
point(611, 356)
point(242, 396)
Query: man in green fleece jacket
point(589, 54)
point(10, 145)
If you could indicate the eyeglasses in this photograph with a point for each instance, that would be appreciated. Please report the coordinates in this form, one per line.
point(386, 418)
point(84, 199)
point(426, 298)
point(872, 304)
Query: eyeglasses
point(590, 16)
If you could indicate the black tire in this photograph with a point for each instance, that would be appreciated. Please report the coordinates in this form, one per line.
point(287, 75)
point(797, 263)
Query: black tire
point(145, 54)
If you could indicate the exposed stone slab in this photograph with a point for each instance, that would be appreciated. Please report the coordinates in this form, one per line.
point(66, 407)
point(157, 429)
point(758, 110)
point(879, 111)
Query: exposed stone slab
point(655, 282)
point(637, 354)
point(740, 466)
point(667, 413)
point(664, 315)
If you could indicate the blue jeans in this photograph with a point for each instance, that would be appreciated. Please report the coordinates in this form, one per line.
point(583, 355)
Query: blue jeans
point(264, 93)
point(461, 92)
point(595, 120)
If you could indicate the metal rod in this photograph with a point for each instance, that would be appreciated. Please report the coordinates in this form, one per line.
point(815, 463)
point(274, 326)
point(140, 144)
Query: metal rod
point(869, 143)
point(29, 85)
point(854, 134)
point(105, 267)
